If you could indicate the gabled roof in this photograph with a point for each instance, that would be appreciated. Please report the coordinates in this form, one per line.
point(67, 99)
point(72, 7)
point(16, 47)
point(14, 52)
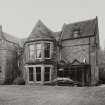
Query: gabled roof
point(40, 31)
point(87, 28)
point(76, 62)
point(11, 38)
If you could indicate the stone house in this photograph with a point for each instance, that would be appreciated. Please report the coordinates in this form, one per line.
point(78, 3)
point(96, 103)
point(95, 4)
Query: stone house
point(72, 52)
point(46, 55)
point(8, 57)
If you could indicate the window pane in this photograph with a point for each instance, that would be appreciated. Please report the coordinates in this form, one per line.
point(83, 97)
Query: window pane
point(47, 74)
point(31, 55)
point(47, 46)
point(47, 50)
point(31, 51)
point(38, 73)
point(38, 46)
point(47, 53)
point(38, 50)
point(31, 47)
point(31, 77)
point(38, 53)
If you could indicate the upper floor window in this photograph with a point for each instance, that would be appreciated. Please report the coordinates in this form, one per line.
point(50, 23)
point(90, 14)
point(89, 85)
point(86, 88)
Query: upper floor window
point(47, 50)
point(31, 51)
point(38, 50)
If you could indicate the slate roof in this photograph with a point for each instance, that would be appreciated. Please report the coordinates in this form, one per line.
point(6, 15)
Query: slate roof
point(40, 31)
point(87, 28)
point(12, 43)
point(11, 38)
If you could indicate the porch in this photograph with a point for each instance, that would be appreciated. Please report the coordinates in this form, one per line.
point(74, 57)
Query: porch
point(80, 73)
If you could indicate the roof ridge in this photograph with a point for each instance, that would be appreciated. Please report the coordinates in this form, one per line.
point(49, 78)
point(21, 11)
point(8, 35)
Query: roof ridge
point(82, 21)
point(87, 28)
point(40, 23)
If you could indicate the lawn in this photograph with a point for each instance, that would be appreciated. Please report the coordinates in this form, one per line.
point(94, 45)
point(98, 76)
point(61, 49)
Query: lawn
point(51, 95)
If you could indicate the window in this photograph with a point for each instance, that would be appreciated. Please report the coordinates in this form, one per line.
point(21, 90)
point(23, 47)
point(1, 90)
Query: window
point(38, 73)
point(47, 74)
point(76, 33)
point(47, 50)
point(31, 51)
point(38, 50)
point(31, 72)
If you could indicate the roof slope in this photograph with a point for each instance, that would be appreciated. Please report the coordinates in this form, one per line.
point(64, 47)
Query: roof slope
point(11, 38)
point(40, 31)
point(87, 28)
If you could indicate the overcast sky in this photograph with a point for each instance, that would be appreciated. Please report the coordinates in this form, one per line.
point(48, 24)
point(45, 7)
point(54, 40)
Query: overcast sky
point(18, 17)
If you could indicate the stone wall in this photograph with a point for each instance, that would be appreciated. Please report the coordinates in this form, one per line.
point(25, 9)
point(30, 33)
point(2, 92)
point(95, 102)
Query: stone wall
point(8, 62)
point(80, 49)
point(75, 49)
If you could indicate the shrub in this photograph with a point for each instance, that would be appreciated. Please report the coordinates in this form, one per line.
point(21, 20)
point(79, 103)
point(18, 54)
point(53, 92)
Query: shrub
point(19, 81)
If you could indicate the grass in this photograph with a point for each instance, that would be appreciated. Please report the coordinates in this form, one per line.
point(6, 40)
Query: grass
point(51, 95)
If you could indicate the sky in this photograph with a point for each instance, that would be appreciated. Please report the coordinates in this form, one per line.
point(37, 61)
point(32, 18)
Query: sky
point(18, 17)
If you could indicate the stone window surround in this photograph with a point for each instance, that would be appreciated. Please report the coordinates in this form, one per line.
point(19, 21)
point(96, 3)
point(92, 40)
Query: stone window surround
point(42, 53)
point(42, 73)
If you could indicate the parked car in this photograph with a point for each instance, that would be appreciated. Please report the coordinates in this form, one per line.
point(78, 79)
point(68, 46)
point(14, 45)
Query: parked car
point(65, 81)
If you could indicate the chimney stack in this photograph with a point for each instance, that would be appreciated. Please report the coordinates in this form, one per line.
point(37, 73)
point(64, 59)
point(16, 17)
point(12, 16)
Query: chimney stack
point(0, 28)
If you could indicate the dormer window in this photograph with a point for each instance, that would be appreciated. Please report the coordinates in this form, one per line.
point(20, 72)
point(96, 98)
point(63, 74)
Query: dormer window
point(76, 31)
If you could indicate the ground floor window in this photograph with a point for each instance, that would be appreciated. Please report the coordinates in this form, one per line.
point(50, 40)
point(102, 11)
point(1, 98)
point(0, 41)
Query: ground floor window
point(40, 73)
point(47, 74)
point(31, 77)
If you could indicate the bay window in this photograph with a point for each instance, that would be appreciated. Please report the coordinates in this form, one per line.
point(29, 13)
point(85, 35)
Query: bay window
point(40, 50)
point(39, 73)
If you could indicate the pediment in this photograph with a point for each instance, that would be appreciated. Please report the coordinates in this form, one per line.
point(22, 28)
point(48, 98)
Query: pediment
point(76, 62)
